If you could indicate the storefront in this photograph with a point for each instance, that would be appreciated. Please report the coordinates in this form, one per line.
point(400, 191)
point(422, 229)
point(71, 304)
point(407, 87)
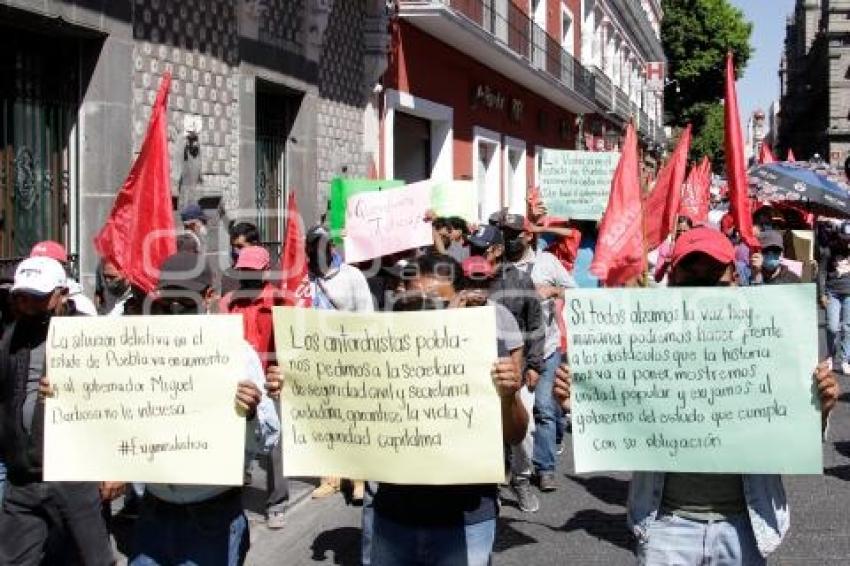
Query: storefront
point(447, 116)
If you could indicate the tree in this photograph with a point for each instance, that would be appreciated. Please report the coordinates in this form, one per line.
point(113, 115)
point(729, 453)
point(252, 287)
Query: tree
point(696, 35)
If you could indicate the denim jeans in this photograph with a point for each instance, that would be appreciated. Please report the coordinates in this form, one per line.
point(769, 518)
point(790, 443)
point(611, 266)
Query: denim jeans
point(838, 328)
point(394, 544)
point(214, 533)
point(2, 480)
point(674, 541)
point(546, 416)
point(521, 454)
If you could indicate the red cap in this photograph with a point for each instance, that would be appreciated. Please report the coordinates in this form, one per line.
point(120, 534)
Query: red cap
point(51, 249)
point(703, 240)
point(253, 257)
point(477, 266)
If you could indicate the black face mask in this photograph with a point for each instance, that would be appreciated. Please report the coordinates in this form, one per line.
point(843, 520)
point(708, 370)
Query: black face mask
point(252, 284)
point(515, 248)
point(411, 301)
point(117, 287)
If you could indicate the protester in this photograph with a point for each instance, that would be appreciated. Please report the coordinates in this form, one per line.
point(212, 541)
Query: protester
point(35, 512)
point(442, 230)
point(253, 302)
point(242, 235)
point(665, 250)
point(551, 281)
point(112, 289)
point(458, 233)
point(516, 291)
point(766, 266)
point(834, 292)
point(57, 251)
point(202, 524)
point(195, 225)
point(454, 524)
point(685, 518)
point(334, 286)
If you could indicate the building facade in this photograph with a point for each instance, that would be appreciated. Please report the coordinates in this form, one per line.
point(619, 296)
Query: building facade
point(475, 89)
point(815, 82)
point(267, 96)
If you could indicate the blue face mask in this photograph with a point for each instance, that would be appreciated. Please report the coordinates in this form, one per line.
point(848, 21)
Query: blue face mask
point(772, 260)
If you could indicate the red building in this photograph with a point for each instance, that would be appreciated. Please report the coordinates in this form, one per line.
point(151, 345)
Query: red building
point(476, 88)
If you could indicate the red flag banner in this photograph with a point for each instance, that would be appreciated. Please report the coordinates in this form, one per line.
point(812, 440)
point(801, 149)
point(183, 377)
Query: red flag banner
point(139, 232)
point(662, 204)
point(690, 198)
point(765, 155)
point(295, 281)
point(736, 170)
point(791, 157)
point(620, 254)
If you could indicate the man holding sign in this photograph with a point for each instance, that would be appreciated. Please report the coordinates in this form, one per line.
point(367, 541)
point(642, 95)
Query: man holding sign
point(690, 518)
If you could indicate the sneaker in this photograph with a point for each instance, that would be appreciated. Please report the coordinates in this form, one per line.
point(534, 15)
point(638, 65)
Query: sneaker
point(546, 482)
point(328, 487)
point(559, 448)
point(275, 520)
point(525, 498)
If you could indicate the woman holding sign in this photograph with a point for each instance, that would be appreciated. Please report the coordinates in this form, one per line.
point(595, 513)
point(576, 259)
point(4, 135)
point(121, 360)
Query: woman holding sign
point(708, 518)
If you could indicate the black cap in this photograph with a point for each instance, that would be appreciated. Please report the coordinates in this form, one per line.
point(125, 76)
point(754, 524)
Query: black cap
point(515, 222)
point(317, 232)
point(193, 211)
point(497, 217)
point(185, 270)
point(486, 236)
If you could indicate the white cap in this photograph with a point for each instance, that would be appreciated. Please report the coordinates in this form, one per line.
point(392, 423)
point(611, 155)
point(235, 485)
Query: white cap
point(39, 275)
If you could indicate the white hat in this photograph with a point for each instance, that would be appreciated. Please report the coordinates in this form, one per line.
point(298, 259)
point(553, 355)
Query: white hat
point(39, 275)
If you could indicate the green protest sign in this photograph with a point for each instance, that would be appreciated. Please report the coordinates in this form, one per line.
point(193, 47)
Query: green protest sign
point(576, 184)
point(342, 189)
point(695, 379)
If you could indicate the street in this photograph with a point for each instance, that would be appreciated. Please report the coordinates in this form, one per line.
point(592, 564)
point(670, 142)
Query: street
point(583, 522)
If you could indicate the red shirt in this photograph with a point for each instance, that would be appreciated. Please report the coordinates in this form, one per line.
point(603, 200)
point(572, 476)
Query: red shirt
point(256, 318)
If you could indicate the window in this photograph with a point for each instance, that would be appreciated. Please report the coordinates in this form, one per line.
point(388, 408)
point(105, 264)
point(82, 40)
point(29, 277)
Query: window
point(567, 32)
point(412, 148)
point(515, 169)
point(486, 163)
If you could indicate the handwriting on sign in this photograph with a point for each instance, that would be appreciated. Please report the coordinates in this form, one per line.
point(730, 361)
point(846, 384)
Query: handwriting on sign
point(401, 397)
point(145, 395)
point(576, 184)
point(695, 380)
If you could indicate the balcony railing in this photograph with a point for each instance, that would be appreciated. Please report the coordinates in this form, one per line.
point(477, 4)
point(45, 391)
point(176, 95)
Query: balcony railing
point(622, 106)
point(604, 89)
point(514, 29)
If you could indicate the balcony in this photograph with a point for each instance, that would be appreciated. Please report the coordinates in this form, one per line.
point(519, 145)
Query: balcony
point(604, 90)
point(502, 37)
point(622, 106)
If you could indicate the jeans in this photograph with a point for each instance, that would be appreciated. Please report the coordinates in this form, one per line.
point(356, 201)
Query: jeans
point(2, 480)
point(367, 523)
point(53, 523)
point(203, 534)
point(838, 328)
point(277, 486)
point(394, 544)
point(675, 541)
point(521, 454)
point(546, 416)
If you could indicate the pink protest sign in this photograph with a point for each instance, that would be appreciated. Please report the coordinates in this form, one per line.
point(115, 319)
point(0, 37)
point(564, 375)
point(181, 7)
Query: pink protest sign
point(387, 221)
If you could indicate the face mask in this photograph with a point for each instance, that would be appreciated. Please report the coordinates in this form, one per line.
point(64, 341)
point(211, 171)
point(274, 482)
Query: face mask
point(117, 287)
point(771, 261)
point(515, 248)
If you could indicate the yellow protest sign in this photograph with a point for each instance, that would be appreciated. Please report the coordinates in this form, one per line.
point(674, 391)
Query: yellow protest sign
point(397, 397)
point(145, 398)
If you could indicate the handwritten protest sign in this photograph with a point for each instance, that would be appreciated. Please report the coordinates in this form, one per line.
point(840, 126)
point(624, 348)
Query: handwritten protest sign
point(388, 221)
point(343, 189)
point(148, 399)
point(576, 184)
point(695, 380)
point(455, 198)
point(398, 397)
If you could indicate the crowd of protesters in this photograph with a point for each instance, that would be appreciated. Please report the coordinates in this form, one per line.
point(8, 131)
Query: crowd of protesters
point(523, 264)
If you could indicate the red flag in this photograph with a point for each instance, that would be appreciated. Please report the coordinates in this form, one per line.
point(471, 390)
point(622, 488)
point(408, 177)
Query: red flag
point(620, 253)
point(662, 204)
point(791, 157)
point(765, 155)
point(139, 232)
point(703, 190)
point(736, 170)
point(295, 283)
point(690, 205)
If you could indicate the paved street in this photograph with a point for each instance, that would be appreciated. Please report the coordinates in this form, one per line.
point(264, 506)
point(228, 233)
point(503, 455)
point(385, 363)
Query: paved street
point(583, 523)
